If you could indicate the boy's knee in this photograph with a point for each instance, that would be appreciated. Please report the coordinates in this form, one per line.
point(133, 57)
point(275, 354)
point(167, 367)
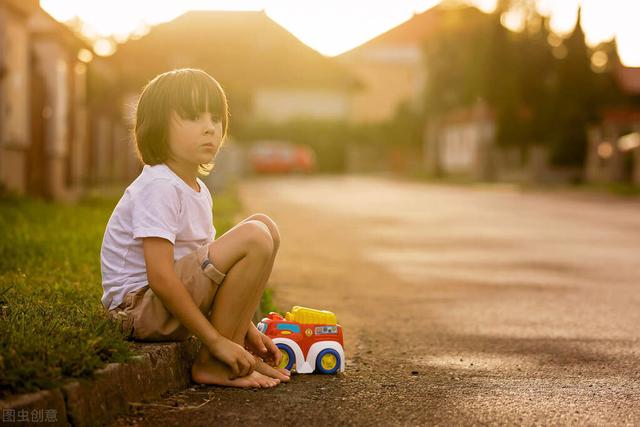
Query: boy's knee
point(271, 225)
point(258, 237)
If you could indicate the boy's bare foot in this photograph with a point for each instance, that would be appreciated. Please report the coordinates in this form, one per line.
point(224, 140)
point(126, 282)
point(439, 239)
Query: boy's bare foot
point(215, 372)
point(266, 369)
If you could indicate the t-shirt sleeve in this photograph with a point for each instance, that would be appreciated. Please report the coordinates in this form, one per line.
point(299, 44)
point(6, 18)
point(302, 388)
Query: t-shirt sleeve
point(156, 211)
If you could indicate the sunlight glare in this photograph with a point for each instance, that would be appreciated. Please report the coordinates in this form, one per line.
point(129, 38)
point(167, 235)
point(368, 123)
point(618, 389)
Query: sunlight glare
point(600, 30)
point(104, 47)
point(513, 20)
point(487, 6)
point(335, 26)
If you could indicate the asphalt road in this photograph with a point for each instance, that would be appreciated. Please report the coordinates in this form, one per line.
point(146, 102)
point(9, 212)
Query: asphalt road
point(460, 305)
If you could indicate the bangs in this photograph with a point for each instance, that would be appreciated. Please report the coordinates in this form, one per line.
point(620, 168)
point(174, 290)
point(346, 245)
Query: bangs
point(197, 93)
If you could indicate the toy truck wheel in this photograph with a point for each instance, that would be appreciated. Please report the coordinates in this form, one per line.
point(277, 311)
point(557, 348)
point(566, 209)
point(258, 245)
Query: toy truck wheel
point(328, 361)
point(288, 356)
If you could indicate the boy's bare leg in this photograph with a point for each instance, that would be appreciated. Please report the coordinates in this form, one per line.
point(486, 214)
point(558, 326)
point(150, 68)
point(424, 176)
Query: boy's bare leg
point(262, 367)
point(244, 254)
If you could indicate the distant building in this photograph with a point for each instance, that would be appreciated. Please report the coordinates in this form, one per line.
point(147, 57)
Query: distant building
point(43, 116)
point(392, 68)
point(268, 73)
point(461, 143)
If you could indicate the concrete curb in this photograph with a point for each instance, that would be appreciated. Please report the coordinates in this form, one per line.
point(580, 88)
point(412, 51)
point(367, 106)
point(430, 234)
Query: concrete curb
point(161, 368)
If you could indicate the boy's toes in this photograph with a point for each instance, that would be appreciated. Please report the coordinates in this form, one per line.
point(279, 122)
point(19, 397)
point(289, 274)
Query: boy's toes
point(269, 382)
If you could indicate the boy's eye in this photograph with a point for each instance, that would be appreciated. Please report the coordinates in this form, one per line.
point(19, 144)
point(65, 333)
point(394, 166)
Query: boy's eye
point(214, 119)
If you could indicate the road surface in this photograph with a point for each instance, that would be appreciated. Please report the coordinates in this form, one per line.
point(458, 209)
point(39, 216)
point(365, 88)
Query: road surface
point(460, 305)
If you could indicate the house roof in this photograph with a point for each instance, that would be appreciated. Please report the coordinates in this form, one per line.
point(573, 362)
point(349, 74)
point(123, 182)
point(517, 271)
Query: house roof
point(240, 48)
point(419, 28)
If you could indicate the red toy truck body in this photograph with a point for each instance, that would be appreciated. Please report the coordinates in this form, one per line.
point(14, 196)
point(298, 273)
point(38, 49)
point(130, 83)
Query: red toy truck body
point(310, 340)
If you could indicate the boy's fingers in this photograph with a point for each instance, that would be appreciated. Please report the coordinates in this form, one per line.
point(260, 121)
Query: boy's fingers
point(246, 368)
point(277, 357)
point(235, 369)
point(275, 351)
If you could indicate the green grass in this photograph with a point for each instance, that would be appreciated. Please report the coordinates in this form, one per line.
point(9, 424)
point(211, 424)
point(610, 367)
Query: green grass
point(226, 207)
point(52, 324)
point(266, 304)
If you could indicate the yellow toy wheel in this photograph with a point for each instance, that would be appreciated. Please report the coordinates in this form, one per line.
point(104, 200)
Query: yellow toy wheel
point(288, 356)
point(328, 361)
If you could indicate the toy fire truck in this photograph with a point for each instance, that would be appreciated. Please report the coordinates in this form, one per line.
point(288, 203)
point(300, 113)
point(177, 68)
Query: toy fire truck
point(309, 340)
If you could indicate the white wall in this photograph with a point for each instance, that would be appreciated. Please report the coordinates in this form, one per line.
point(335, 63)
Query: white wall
point(279, 105)
point(459, 148)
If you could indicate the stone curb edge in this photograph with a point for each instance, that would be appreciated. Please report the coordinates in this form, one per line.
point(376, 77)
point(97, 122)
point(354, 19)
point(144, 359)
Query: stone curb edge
point(159, 369)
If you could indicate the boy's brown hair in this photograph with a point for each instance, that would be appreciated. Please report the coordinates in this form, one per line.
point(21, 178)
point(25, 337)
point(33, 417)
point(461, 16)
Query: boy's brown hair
point(186, 91)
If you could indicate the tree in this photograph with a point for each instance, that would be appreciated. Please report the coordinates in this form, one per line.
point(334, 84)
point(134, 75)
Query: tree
point(575, 102)
point(536, 97)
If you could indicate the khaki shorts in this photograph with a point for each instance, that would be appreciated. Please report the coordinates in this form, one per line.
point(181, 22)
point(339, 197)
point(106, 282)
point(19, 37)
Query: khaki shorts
point(142, 314)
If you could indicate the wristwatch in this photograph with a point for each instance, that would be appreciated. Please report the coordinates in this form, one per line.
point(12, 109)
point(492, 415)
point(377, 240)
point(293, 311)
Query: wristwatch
point(212, 272)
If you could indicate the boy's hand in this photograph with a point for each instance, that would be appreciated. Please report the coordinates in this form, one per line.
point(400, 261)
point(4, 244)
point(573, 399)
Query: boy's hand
point(237, 358)
point(262, 345)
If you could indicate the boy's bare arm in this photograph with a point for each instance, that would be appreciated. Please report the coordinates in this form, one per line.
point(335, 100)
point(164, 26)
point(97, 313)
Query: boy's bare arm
point(165, 283)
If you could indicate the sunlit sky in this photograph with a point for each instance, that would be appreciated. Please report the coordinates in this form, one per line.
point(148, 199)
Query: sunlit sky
point(335, 26)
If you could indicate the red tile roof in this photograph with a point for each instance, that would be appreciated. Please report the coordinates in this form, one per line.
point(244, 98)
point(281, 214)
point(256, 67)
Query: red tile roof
point(419, 28)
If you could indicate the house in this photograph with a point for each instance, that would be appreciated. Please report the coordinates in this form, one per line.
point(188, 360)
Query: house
point(614, 144)
point(269, 74)
point(461, 143)
point(43, 116)
point(391, 67)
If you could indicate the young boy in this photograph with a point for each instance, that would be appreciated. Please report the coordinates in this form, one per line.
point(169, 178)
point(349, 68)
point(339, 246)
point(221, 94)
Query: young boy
point(164, 276)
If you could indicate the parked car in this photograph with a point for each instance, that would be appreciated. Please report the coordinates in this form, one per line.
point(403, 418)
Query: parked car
point(309, 340)
point(281, 157)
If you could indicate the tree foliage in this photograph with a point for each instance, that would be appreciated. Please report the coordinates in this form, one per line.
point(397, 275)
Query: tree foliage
point(538, 95)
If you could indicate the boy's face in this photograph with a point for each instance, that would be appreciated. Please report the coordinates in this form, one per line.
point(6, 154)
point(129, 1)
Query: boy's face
point(195, 141)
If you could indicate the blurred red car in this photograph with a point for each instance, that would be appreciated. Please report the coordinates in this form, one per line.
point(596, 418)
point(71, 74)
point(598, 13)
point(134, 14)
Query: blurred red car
point(281, 157)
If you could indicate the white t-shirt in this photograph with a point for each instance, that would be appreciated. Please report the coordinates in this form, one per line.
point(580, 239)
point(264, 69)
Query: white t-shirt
point(157, 204)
